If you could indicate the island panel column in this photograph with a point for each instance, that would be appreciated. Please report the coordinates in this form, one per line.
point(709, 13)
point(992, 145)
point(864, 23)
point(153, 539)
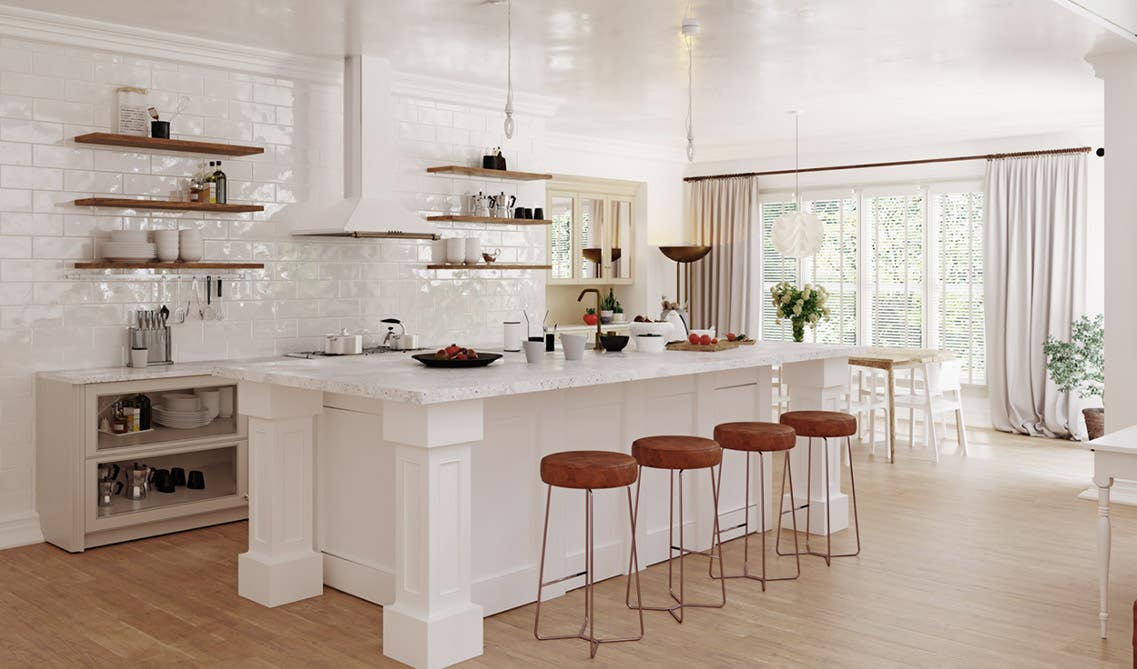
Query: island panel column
point(281, 565)
point(433, 621)
point(818, 385)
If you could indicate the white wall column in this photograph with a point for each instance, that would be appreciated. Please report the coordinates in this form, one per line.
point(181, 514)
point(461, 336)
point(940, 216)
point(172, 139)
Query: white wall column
point(818, 385)
point(433, 622)
point(1119, 72)
point(281, 565)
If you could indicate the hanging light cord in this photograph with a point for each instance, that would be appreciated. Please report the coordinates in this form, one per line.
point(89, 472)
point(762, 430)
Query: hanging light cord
point(797, 163)
point(690, 96)
point(509, 70)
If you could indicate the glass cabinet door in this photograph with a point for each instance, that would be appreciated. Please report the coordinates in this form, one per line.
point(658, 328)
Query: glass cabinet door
point(591, 236)
point(560, 236)
point(619, 239)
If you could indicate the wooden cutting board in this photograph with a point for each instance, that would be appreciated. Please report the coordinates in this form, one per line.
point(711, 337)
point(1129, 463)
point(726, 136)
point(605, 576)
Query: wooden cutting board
point(723, 345)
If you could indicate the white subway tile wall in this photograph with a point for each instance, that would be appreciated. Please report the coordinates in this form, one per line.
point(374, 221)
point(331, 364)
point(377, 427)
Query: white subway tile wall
point(50, 93)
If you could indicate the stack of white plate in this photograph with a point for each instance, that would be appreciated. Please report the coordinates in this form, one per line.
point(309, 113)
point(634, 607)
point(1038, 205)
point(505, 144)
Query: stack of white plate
point(181, 420)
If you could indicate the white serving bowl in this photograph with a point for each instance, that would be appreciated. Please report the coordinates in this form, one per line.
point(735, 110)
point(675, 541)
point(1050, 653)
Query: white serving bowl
point(182, 402)
point(665, 330)
point(649, 343)
point(710, 332)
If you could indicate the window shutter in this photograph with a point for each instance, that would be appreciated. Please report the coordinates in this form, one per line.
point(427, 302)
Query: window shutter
point(775, 269)
point(896, 223)
point(835, 268)
point(959, 218)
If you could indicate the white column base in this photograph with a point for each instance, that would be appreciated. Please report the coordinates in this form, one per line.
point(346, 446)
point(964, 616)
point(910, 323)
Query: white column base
point(440, 641)
point(273, 582)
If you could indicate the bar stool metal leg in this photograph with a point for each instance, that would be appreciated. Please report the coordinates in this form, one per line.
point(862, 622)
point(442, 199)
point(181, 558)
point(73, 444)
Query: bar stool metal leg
point(828, 554)
point(745, 524)
point(589, 622)
point(676, 610)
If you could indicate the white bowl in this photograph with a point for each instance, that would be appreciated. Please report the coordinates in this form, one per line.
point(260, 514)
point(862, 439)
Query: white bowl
point(210, 400)
point(660, 328)
point(648, 343)
point(710, 332)
point(128, 236)
point(181, 402)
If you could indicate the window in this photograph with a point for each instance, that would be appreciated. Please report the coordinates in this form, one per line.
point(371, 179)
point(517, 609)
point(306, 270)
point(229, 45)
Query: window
point(896, 223)
point(959, 289)
point(903, 266)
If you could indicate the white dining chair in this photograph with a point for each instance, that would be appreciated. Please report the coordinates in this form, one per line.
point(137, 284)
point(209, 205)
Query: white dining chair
point(868, 395)
point(935, 389)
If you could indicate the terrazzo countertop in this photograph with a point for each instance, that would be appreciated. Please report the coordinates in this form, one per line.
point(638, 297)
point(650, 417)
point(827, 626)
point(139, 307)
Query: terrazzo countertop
point(399, 378)
point(80, 377)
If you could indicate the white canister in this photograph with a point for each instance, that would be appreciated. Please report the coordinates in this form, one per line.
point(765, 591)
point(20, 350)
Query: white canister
point(473, 250)
point(455, 250)
point(191, 248)
point(512, 336)
point(139, 357)
point(573, 346)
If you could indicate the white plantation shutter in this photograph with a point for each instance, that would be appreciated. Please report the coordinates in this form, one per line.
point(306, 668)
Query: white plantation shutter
point(958, 218)
point(896, 223)
point(775, 269)
point(835, 268)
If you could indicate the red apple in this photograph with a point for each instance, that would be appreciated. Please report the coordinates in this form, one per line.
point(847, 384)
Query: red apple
point(694, 339)
point(705, 340)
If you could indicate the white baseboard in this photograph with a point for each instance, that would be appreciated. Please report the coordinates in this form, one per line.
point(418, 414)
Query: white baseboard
point(20, 531)
point(1121, 492)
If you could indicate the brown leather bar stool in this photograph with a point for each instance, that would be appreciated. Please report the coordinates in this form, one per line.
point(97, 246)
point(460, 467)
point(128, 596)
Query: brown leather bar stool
point(825, 425)
point(677, 454)
point(588, 471)
point(756, 437)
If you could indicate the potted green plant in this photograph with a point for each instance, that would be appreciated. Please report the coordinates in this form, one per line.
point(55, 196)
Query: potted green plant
point(803, 306)
point(1077, 366)
point(608, 307)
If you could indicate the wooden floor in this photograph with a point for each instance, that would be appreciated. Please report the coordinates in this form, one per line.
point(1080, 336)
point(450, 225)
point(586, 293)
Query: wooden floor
point(984, 561)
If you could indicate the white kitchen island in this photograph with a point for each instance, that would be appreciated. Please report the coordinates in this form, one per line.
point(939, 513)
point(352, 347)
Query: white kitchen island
point(418, 488)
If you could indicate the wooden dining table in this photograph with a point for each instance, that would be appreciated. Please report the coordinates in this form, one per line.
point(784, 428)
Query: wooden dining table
point(890, 359)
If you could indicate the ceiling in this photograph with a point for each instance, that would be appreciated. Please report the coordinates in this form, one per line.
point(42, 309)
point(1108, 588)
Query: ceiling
point(930, 70)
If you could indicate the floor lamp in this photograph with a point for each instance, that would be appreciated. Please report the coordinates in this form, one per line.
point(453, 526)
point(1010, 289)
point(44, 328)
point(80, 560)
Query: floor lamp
point(684, 256)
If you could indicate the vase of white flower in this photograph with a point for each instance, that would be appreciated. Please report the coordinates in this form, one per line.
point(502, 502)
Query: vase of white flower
point(804, 306)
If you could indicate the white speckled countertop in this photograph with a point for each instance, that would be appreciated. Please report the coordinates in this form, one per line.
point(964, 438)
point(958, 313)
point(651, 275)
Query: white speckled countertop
point(114, 374)
point(399, 378)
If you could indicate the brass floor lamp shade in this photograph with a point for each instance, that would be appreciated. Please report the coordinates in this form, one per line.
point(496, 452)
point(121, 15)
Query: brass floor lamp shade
point(684, 255)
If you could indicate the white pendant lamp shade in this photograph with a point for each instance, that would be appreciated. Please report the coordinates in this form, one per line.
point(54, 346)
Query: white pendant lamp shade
point(798, 234)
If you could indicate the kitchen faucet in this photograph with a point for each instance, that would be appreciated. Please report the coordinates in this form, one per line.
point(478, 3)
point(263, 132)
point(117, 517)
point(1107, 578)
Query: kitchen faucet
point(584, 292)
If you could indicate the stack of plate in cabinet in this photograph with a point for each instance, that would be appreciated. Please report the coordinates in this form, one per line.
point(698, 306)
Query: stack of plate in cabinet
point(182, 411)
point(129, 246)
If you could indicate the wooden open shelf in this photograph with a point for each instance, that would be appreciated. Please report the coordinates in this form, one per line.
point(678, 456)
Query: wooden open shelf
point(167, 205)
point(138, 142)
point(491, 219)
point(488, 174)
point(107, 264)
point(486, 266)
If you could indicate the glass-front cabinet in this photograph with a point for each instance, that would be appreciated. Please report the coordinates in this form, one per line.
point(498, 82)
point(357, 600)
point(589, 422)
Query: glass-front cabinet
point(593, 232)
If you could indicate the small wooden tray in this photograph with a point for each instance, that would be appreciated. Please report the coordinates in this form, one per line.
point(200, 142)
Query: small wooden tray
point(723, 345)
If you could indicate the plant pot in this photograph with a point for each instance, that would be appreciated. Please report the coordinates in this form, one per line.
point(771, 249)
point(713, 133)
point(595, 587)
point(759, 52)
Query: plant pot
point(1095, 422)
point(605, 316)
point(619, 317)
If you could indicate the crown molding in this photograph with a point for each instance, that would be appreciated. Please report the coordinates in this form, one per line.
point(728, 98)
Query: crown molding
point(451, 91)
point(73, 31)
point(668, 153)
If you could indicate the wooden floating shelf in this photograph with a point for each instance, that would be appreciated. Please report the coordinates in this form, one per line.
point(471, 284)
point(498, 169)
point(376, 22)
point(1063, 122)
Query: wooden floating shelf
point(138, 142)
point(488, 174)
point(486, 266)
point(491, 219)
point(167, 205)
point(106, 264)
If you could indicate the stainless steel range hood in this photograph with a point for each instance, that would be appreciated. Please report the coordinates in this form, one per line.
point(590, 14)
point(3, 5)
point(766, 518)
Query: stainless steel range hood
point(370, 207)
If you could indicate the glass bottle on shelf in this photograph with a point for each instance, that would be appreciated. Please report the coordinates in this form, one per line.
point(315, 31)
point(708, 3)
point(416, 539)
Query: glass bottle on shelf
point(144, 411)
point(222, 182)
point(211, 183)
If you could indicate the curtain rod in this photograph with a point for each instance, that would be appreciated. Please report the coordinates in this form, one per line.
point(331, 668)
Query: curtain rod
point(924, 161)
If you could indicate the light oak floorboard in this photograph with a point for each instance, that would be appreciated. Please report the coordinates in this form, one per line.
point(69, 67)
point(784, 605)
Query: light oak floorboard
point(984, 561)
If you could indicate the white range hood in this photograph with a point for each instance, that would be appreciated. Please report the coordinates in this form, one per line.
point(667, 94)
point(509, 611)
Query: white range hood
point(370, 207)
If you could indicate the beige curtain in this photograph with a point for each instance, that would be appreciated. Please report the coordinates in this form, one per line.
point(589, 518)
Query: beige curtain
point(1035, 270)
point(724, 213)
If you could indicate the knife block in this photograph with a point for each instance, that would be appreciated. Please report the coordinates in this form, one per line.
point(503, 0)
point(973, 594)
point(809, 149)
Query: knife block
point(158, 341)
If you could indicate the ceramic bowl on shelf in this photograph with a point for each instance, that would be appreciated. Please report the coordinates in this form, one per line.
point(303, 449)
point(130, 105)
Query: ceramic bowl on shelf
point(182, 402)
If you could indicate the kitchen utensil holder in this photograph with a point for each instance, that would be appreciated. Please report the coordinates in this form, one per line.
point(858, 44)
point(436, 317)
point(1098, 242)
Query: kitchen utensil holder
point(158, 341)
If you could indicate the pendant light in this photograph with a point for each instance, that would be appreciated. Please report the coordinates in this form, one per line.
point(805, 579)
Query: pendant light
point(690, 29)
point(509, 70)
point(797, 234)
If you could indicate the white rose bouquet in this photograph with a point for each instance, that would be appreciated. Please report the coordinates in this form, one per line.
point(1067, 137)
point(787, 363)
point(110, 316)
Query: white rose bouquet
point(802, 306)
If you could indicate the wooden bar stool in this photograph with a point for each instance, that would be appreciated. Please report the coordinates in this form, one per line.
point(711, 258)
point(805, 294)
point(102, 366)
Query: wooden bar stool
point(588, 471)
point(825, 425)
point(678, 454)
point(755, 437)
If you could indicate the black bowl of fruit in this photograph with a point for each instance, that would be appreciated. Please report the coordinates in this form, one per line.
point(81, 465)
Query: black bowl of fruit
point(456, 356)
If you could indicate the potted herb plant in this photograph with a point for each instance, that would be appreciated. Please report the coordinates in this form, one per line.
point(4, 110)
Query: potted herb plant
point(608, 307)
point(803, 306)
point(1077, 366)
